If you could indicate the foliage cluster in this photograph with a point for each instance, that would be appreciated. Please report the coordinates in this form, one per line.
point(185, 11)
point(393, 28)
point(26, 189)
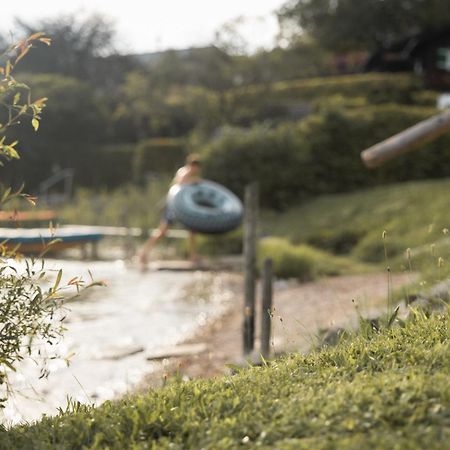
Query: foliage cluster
point(303, 262)
point(321, 154)
point(26, 308)
point(351, 24)
point(128, 102)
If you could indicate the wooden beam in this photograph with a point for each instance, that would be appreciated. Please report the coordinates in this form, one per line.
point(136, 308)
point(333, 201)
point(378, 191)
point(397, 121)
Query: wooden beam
point(250, 242)
point(407, 140)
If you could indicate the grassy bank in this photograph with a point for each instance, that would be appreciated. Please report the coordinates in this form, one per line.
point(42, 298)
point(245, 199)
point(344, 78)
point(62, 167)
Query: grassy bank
point(380, 390)
point(414, 215)
point(305, 262)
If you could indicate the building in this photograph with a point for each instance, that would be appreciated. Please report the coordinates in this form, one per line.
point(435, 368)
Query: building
point(426, 54)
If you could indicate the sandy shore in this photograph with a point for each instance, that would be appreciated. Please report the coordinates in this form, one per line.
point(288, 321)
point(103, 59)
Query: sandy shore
point(301, 311)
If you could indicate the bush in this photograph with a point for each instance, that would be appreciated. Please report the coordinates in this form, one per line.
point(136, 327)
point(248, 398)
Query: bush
point(302, 262)
point(271, 156)
point(74, 122)
point(288, 261)
point(321, 154)
point(27, 310)
point(376, 87)
point(295, 97)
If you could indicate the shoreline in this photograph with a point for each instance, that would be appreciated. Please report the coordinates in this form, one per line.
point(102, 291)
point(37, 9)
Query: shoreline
point(302, 312)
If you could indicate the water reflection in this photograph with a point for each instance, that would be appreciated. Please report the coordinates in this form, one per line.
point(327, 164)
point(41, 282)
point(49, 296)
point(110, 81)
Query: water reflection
point(109, 332)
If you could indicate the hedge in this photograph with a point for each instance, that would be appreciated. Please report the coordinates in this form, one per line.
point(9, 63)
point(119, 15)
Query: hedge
point(321, 154)
point(294, 98)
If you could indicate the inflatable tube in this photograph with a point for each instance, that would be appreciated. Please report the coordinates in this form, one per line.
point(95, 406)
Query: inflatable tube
point(205, 207)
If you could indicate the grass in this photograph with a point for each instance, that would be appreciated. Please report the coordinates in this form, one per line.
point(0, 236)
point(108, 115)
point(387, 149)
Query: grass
point(415, 215)
point(129, 205)
point(377, 390)
point(303, 261)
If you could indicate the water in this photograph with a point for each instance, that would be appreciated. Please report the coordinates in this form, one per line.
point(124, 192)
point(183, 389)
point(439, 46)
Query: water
point(136, 313)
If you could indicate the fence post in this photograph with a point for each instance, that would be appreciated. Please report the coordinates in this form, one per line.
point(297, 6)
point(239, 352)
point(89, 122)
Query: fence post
point(266, 307)
point(250, 230)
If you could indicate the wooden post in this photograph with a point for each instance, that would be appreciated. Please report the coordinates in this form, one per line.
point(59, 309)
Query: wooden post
point(250, 230)
point(94, 250)
point(266, 307)
point(407, 140)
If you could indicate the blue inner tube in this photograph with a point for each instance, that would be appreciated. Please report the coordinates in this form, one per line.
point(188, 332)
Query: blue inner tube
point(205, 207)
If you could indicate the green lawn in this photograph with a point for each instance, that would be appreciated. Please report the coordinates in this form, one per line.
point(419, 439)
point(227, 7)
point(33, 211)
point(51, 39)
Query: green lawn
point(415, 215)
point(377, 390)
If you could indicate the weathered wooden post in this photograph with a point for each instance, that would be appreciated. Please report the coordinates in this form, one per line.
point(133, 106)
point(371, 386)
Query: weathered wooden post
point(250, 231)
point(266, 307)
point(407, 140)
point(94, 250)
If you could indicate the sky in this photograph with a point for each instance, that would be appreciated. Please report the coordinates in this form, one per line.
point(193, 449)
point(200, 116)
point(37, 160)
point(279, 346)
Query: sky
point(154, 25)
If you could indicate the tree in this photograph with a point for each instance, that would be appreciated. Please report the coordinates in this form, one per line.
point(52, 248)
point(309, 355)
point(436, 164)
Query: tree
point(73, 122)
point(82, 48)
point(355, 24)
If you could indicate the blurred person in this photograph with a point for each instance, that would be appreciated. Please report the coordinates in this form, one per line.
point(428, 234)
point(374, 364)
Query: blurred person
point(188, 174)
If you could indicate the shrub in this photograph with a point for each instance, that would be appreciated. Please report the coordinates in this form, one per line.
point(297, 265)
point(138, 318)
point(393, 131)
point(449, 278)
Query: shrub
point(270, 156)
point(290, 98)
point(26, 309)
point(288, 261)
point(302, 261)
point(321, 154)
point(73, 123)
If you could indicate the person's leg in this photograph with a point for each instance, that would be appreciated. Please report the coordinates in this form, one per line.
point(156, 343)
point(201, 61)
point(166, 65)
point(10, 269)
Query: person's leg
point(192, 246)
point(151, 242)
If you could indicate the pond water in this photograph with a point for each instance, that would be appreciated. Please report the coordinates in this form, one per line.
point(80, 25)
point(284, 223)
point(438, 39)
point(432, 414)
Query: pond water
point(109, 332)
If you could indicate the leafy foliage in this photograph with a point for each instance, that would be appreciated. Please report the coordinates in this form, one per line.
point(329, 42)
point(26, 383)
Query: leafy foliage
point(353, 24)
point(83, 48)
point(303, 262)
point(413, 215)
point(26, 309)
point(378, 390)
point(321, 154)
point(66, 136)
point(15, 98)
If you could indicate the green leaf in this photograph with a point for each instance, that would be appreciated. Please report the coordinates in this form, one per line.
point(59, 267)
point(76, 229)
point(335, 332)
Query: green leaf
point(5, 195)
point(58, 280)
point(35, 123)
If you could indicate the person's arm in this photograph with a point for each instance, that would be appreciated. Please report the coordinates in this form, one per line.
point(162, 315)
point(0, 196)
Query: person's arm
point(178, 178)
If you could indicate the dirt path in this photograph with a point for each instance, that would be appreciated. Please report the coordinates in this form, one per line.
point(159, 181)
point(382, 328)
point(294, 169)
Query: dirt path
point(300, 311)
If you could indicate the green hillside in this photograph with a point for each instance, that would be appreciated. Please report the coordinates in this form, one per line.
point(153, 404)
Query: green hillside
point(413, 214)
